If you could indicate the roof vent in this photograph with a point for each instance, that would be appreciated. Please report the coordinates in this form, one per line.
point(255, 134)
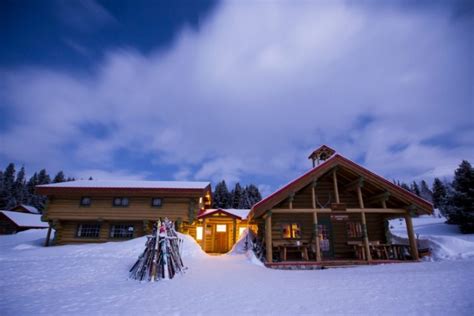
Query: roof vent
point(321, 154)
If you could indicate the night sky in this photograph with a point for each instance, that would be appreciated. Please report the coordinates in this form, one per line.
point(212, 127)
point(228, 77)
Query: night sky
point(235, 90)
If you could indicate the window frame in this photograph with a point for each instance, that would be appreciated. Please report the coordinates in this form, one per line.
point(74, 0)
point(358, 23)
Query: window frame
point(157, 198)
point(81, 204)
point(359, 232)
point(122, 198)
point(290, 224)
point(79, 228)
point(126, 226)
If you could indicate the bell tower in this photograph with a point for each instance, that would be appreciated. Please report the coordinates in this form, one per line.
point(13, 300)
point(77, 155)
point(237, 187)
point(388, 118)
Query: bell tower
point(321, 154)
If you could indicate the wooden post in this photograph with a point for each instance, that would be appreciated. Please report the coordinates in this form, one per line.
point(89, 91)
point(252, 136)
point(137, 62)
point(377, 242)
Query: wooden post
point(364, 225)
point(268, 237)
point(48, 235)
point(411, 237)
point(290, 199)
point(204, 234)
point(336, 189)
point(234, 231)
point(384, 204)
point(315, 224)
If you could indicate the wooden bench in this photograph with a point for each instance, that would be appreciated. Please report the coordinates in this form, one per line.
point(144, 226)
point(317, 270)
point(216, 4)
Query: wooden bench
point(292, 246)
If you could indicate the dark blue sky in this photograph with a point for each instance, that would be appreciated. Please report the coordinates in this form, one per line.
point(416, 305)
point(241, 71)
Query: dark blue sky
point(205, 90)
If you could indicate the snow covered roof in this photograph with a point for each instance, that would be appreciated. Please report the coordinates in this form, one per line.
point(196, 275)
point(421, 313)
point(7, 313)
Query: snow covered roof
point(240, 213)
point(25, 219)
point(29, 208)
point(128, 184)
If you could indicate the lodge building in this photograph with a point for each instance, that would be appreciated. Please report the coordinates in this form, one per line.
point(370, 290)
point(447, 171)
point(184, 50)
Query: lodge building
point(336, 212)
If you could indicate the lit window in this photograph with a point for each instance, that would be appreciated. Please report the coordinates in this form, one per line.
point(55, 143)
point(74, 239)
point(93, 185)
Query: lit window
point(241, 230)
point(354, 230)
point(120, 201)
point(85, 201)
point(221, 228)
point(199, 233)
point(121, 231)
point(292, 230)
point(156, 202)
point(88, 230)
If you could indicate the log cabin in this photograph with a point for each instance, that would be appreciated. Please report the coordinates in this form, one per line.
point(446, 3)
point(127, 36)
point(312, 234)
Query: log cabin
point(99, 211)
point(12, 222)
point(218, 230)
point(23, 208)
point(336, 213)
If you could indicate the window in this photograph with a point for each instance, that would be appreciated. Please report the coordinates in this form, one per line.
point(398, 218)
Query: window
point(88, 230)
point(354, 230)
point(156, 202)
point(199, 233)
point(241, 230)
point(221, 228)
point(85, 201)
point(120, 201)
point(121, 231)
point(292, 230)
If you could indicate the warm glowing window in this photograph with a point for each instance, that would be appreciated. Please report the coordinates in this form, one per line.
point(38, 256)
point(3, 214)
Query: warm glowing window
point(241, 230)
point(222, 228)
point(354, 230)
point(199, 233)
point(292, 230)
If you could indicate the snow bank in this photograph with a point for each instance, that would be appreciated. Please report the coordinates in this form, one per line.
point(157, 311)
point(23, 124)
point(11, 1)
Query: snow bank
point(445, 241)
point(190, 248)
point(243, 246)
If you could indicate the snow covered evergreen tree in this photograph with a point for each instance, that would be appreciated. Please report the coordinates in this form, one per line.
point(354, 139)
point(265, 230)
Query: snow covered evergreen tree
point(425, 191)
point(19, 189)
point(439, 193)
point(221, 196)
point(7, 199)
point(460, 198)
point(59, 177)
point(414, 188)
point(236, 196)
point(253, 194)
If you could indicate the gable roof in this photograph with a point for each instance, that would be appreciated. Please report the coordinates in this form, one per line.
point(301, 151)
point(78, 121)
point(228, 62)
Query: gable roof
point(108, 185)
point(28, 208)
point(337, 160)
point(232, 212)
point(25, 219)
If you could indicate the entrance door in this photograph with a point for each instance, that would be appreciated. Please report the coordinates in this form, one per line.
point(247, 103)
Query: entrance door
point(325, 238)
point(221, 241)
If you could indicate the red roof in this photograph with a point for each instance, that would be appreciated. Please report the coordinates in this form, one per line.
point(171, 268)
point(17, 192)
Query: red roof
point(336, 160)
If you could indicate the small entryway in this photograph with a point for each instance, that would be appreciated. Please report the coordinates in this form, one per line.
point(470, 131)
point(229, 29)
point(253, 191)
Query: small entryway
point(221, 238)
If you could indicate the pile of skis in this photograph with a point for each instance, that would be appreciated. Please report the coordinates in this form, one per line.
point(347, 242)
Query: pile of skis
point(161, 259)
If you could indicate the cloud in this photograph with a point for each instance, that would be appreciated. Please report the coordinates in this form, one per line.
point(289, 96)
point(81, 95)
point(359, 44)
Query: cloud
point(255, 90)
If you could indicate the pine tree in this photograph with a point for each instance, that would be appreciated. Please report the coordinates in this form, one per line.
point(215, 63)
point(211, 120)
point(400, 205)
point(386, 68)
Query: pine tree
point(245, 201)
point(7, 199)
point(405, 186)
point(460, 198)
point(59, 177)
point(221, 197)
point(32, 198)
point(236, 196)
point(43, 177)
point(414, 188)
point(439, 193)
point(425, 191)
point(19, 190)
point(253, 194)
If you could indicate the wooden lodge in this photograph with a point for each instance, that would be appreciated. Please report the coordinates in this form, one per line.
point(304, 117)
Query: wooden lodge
point(223, 227)
point(99, 211)
point(335, 214)
point(12, 222)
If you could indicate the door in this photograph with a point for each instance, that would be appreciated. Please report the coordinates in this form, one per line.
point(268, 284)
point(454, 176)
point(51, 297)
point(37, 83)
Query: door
point(325, 238)
point(221, 238)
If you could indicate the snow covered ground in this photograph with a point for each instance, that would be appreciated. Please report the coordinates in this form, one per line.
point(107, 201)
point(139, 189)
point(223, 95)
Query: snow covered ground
point(92, 279)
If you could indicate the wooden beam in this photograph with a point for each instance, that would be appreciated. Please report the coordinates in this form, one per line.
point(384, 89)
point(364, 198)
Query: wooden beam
point(336, 189)
point(411, 237)
point(291, 197)
point(349, 210)
point(204, 234)
point(268, 238)
point(234, 231)
point(364, 225)
point(316, 237)
point(48, 235)
point(378, 198)
point(359, 182)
